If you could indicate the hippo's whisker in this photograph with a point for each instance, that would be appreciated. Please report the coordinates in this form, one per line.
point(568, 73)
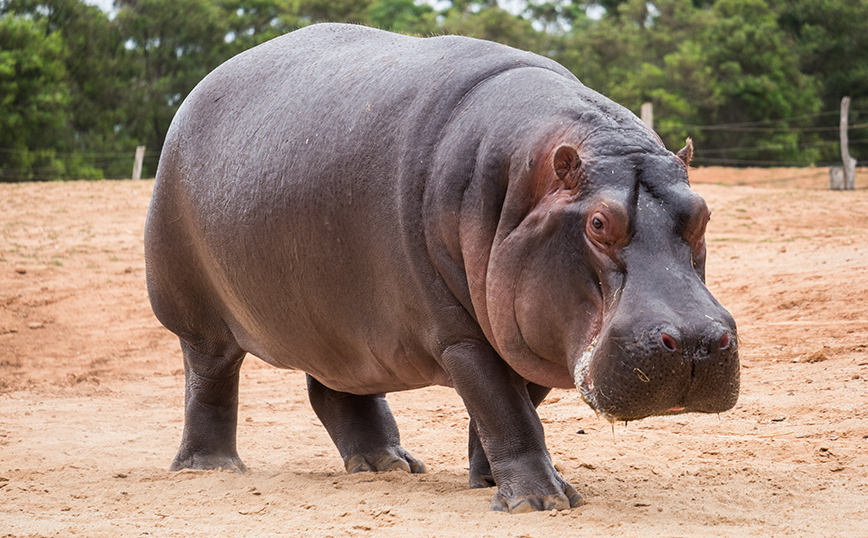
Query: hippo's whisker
point(615, 295)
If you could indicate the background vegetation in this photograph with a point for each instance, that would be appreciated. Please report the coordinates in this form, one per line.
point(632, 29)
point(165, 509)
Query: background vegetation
point(754, 82)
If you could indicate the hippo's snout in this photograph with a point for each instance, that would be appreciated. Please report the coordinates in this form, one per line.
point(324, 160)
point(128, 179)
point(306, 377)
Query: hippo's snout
point(631, 373)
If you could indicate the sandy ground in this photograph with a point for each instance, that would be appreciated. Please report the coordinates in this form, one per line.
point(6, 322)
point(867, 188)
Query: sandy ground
point(91, 396)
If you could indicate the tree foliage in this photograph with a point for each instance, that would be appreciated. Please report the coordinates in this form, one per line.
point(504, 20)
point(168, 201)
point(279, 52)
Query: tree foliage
point(752, 81)
point(34, 99)
point(176, 43)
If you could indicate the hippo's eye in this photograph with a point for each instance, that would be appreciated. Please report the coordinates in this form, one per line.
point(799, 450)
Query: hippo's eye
point(607, 226)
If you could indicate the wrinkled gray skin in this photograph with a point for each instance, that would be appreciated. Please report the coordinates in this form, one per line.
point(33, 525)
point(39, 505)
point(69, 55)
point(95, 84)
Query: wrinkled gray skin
point(386, 212)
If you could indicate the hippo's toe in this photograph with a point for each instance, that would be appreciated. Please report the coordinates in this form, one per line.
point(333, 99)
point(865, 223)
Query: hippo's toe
point(569, 498)
point(390, 459)
point(209, 462)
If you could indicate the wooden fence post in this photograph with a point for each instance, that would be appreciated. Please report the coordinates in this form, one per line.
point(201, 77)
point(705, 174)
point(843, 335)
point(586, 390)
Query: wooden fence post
point(847, 179)
point(648, 115)
point(836, 178)
point(137, 165)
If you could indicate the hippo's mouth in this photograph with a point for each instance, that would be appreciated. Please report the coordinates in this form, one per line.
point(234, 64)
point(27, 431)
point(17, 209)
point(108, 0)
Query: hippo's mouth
point(585, 386)
point(636, 386)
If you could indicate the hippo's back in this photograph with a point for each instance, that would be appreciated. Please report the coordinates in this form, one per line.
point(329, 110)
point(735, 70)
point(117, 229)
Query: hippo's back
point(339, 92)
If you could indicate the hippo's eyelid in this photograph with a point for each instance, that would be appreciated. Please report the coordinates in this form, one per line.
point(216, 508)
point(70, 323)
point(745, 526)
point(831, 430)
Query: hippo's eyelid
point(693, 223)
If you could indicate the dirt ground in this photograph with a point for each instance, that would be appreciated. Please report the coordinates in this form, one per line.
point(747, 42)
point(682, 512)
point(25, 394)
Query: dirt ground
point(91, 396)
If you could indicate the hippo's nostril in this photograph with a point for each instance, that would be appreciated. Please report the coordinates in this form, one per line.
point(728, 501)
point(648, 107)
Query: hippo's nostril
point(724, 341)
point(669, 342)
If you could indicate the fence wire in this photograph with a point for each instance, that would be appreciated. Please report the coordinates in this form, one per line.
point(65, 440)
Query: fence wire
point(709, 156)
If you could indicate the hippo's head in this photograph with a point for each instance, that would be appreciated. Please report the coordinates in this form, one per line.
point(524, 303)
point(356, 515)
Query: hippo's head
point(602, 271)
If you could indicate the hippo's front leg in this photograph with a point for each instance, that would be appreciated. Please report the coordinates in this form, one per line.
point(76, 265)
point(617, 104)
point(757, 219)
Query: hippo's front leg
point(509, 431)
point(363, 429)
point(480, 469)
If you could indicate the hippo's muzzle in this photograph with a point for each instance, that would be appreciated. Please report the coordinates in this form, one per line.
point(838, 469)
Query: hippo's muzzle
point(633, 371)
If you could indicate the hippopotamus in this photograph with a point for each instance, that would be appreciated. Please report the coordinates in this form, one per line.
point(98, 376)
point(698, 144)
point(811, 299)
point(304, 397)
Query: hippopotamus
point(386, 212)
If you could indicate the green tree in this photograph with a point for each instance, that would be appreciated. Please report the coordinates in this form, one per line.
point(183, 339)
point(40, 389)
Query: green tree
point(313, 11)
point(34, 100)
point(78, 89)
point(173, 44)
point(756, 77)
point(251, 22)
point(632, 58)
point(484, 19)
point(727, 64)
point(558, 17)
point(95, 65)
point(405, 16)
point(832, 43)
point(832, 36)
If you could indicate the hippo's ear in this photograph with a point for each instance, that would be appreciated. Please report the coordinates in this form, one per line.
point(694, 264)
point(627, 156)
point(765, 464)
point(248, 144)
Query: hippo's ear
point(686, 153)
point(566, 164)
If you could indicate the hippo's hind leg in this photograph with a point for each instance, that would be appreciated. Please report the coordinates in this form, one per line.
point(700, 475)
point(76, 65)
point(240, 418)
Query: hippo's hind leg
point(363, 429)
point(480, 469)
point(210, 409)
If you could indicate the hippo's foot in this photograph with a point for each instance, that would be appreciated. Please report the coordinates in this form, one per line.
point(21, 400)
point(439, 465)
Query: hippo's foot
point(207, 462)
point(362, 428)
point(559, 495)
point(389, 459)
point(533, 497)
point(210, 410)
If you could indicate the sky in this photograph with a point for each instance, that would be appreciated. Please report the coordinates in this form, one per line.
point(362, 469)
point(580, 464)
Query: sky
point(513, 6)
point(105, 5)
point(510, 5)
